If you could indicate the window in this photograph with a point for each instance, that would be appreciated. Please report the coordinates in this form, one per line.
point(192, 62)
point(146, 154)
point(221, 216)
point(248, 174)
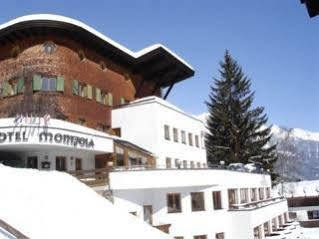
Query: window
point(220, 235)
point(268, 192)
point(198, 164)
point(48, 83)
point(78, 164)
point(197, 141)
point(168, 162)
point(175, 134)
point(184, 164)
point(166, 132)
point(177, 163)
point(12, 87)
point(280, 220)
point(257, 234)
point(266, 229)
point(253, 194)
point(197, 201)
point(148, 214)
point(273, 224)
point(190, 139)
point(32, 162)
point(243, 195)
point(174, 203)
point(192, 164)
point(49, 47)
point(102, 128)
point(261, 193)
point(183, 137)
point(81, 121)
point(200, 237)
point(217, 200)
point(178, 237)
point(313, 214)
point(232, 197)
point(60, 163)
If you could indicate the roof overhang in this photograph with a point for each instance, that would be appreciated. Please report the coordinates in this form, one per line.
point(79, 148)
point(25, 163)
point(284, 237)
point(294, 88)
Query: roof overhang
point(154, 63)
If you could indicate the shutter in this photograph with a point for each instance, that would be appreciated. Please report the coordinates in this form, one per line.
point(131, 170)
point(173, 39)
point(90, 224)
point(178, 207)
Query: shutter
point(5, 88)
point(98, 94)
point(60, 84)
point(89, 91)
point(20, 85)
point(36, 83)
point(75, 87)
point(110, 99)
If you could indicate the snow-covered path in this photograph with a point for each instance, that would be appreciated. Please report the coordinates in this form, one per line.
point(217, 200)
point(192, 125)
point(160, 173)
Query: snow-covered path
point(55, 205)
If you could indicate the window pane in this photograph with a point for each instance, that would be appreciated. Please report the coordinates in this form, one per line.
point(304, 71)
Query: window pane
point(45, 84)
point(175, 134)
point(190, 139)
point(197, 201)
point(183, 137)
point(52, 84)
point(217, 200)
point(174, 203)
point(166, 132)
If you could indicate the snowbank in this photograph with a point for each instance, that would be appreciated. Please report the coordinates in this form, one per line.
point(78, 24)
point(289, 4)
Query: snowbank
point(56, 205)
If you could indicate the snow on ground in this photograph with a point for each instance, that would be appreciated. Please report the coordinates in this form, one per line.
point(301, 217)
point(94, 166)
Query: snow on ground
point(302, 188)
point(311, 233)
point(55, 205)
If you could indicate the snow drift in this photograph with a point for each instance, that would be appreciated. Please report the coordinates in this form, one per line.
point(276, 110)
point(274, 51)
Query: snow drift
point(55, 205)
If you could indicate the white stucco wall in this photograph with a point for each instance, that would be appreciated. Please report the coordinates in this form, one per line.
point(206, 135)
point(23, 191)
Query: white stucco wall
point(142, 122)
point(133, 189)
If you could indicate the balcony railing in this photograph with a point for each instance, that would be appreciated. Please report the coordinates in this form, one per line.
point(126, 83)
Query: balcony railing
point(256, 204)
point(93, 177)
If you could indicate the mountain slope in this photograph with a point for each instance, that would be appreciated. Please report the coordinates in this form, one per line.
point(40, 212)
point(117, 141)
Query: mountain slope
point(305, 142)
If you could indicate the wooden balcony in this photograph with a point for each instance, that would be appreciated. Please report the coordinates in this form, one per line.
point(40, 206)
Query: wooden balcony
point(93, 177)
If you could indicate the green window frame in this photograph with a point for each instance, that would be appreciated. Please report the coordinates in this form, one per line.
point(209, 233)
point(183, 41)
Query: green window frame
point(36, 83)
point(60, 84)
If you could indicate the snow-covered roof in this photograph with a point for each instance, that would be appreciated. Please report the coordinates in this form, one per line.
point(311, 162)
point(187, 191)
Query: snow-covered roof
point(57, 21)
point(52, 205)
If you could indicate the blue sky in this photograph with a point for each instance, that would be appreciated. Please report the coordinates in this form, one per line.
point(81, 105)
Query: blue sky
point(275, 42)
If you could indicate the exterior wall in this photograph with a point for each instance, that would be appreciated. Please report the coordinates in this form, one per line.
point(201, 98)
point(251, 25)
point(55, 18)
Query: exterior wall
point(64, 61)
point(142, 122)
point(152, 186)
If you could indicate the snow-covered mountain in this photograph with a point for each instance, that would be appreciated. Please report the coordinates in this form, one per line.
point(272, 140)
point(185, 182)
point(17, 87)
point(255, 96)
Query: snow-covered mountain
point(305, 142)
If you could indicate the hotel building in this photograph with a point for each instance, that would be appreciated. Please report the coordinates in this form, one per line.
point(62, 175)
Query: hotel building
point(74, 100)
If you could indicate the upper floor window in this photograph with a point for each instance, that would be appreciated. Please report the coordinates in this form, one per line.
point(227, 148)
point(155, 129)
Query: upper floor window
point(220, 235)
point(268, 192)
point(192, 164)
point(232, 197)
point(253, 194)
point(198, 203)
point(217, 200)
point(190, 139)
point(174, 203)
point(166, 132)
point(184, 164)
point(183, 137)
point(12, 87)
point(175, 134)
point(261, 193)
point(243, 195)
point(198, 165)
point(48, 83)
point(49, 47)
point(197, 141)
point(82, 89)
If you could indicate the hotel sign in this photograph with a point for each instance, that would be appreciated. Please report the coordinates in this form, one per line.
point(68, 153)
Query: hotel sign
point(46, 137)
point(29, 130)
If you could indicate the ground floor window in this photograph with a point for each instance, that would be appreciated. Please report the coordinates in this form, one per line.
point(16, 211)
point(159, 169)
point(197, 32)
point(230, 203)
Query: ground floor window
point(200, 237)
point(313, 214)
point(266, 228)
point(60, 163)
point(220, 235)
point(148, 214)
point(257, 234)
point(32, 162)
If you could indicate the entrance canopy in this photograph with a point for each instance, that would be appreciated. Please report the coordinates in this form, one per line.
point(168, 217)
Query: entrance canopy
point(39, 133)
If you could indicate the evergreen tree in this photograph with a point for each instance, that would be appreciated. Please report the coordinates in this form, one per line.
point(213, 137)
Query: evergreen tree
point(237, 132)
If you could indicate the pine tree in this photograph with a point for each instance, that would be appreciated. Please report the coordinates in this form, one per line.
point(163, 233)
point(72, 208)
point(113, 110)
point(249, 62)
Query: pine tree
point(237, 132)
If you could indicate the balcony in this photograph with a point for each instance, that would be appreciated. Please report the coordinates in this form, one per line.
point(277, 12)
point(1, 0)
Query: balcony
point(256, 204)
